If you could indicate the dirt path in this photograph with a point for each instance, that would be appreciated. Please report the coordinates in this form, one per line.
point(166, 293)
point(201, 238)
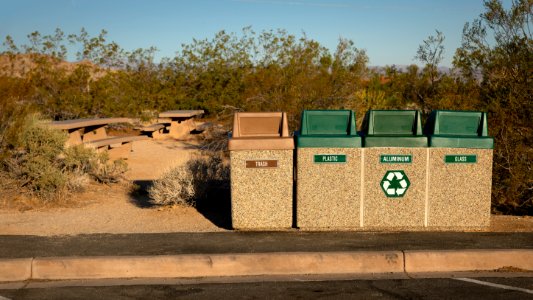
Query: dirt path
point(150, 158)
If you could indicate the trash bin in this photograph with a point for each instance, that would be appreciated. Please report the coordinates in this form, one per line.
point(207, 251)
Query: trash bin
point(395, 163)
point(460, 169)
point(328, 177)
point(261, 155)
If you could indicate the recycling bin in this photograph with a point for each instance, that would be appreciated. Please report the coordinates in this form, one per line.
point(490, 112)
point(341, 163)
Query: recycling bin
point(460, 169)
point(395, 169)
point(328, 177)
point(261, 158)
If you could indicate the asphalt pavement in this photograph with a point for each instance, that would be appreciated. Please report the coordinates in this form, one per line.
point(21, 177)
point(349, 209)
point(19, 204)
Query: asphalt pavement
point(437, 288)
point(234, 254)
point(254, 242)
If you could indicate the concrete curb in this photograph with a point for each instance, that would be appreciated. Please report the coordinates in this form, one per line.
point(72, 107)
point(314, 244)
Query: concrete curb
point(467, 260)
point(218, 265)
point(257, 264)
point(18, 269)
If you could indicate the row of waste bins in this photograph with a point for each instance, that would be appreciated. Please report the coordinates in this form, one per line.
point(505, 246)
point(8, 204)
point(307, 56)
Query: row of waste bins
point(389, 175)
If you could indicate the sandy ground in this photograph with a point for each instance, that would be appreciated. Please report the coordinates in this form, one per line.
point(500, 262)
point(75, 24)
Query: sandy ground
point(151, 158)
point(115, 209)
point(111, 211)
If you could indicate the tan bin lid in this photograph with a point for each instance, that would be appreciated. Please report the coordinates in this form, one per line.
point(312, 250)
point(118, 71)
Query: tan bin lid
point(260, 131)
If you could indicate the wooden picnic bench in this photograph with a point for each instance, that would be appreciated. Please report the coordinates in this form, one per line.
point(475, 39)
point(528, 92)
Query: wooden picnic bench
point(92, 133)
point(181, 122)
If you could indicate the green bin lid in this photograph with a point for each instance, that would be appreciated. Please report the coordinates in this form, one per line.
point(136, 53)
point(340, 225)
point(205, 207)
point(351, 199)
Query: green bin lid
point(458, 129)
point(393, 128)
point(328, 129)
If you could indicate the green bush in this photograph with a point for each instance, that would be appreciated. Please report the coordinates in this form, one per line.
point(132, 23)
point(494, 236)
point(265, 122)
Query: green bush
point(87, 163)
point(13, 113)
point(34, 159)
point(79, 159)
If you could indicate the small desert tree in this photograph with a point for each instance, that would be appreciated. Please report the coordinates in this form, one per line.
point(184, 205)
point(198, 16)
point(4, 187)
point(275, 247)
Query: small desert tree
point(431, 54)
point(499, 47)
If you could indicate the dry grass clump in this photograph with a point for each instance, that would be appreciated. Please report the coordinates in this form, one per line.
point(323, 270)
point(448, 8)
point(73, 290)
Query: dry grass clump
point(190, 184)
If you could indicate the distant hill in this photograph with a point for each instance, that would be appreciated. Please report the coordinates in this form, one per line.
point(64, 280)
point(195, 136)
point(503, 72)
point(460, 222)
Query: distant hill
point(403, 68)
point(19, 65)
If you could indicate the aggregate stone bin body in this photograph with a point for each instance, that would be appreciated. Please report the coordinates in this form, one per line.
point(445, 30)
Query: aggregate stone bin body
point(395, 161)
point(328, 180)
point(261, 154)
point(460, 169)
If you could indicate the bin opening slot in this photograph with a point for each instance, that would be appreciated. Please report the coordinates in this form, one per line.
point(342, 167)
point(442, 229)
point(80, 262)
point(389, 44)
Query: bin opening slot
point(391, 124)
point(328, 124)
point(459, 125)
point(260, 126)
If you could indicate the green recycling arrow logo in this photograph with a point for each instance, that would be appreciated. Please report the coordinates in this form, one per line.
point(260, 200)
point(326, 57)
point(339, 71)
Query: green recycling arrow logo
point(395, 183)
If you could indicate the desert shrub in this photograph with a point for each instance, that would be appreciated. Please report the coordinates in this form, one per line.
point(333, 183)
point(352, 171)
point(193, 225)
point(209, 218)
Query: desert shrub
point(77, 182)
point(40, 164)
point(79, 159)
point(8, 185)
point(41, 140)
point(13, 110)
point(209, 174)
point(109, 171)
point(34, 159)
point(214, 138)
point(86, 162)
point(175, 187)
point(188, 185)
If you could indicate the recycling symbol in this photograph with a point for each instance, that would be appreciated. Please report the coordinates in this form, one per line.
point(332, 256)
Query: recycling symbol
point(395, 183)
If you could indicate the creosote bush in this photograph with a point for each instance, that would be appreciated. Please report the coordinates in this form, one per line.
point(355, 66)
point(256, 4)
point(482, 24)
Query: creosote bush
point(35, 158)
point(86, 162)
point(40, 164)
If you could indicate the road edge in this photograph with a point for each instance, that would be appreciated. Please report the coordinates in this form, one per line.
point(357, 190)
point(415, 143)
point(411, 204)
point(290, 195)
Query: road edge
point(264, 264)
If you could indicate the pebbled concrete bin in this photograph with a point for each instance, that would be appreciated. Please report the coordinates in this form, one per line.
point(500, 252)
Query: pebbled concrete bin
point(395, 169)
point(261, 154)
point(460, 169)
point(328, 185)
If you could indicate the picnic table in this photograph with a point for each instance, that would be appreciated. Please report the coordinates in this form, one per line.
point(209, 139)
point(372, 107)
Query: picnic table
point(93, 133)
point(180, 123)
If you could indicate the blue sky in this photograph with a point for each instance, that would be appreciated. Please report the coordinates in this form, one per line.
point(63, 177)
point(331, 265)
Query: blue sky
point(390, 31)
